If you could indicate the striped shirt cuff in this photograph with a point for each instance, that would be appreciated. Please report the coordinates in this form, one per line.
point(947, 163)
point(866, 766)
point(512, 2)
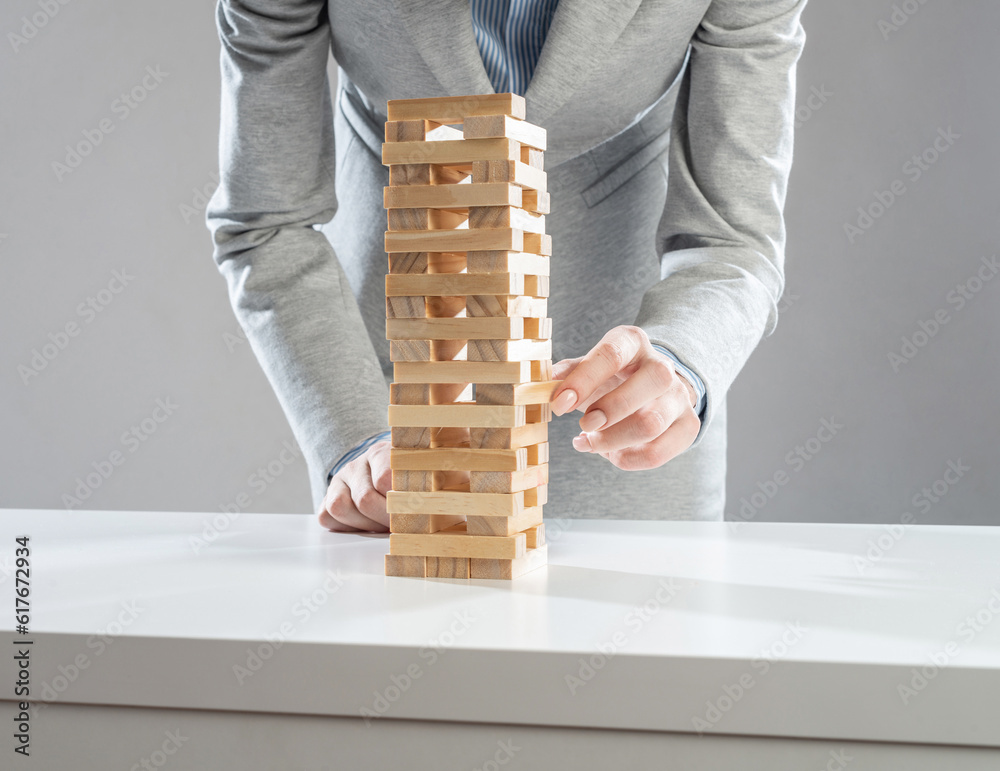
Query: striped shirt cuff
point(691, 377)
point(350, 455)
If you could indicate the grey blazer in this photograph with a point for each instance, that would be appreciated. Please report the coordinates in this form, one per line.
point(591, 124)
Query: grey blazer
point(694, 97)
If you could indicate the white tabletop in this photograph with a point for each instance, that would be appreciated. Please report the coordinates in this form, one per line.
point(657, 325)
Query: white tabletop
point(824, 631)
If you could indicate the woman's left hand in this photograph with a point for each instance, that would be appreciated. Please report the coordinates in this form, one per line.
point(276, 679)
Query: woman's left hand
point(638, 411)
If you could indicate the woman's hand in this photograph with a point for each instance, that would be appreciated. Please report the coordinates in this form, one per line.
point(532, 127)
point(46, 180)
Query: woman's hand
point(639, 413)
point(355, 500)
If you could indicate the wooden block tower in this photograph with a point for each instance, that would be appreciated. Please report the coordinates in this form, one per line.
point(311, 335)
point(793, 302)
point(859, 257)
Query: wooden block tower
point(466, 317)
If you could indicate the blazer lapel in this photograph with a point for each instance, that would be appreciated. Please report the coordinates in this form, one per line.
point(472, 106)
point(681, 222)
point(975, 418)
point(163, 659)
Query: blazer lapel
point(578, 38)
point(442, 32)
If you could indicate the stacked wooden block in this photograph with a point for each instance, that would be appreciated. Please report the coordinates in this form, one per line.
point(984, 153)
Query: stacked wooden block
point(466, 317)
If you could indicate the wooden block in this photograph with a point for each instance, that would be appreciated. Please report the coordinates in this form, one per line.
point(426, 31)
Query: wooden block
point(505, 126)
point(483, 239)
point(505, 217)
point(535, 201)
point(430, 219)
point(452, 544)
point(451, 151)
point(455, 329)
point(413, 393)
point(410, 437)
point(509, 393)
point(458, 458)
point(538, 413)
point(410, 174)
point(507, 481)
point(481, 525)
point(455, 502)
point(400, 307)
point(455, 196)
point(424, 523)
point(454, 284)
point(508, 438)
point(534, 328)
point(508, 262)
point(405, 567)
point(536, 286)
point(518, 173)
point(537, 496)
point(447, 567)
point(532, 157)
point(410, 262)
point(541, 370)
point(478, 305)
point(535, 536)
point(509, 350)
point(417, 481)
point(462, 371)
point(405, 130)
point(536, 243)
point(410, 350)
point(455, 109)
point(509, 569)
point(457, 415)
point(537, 453)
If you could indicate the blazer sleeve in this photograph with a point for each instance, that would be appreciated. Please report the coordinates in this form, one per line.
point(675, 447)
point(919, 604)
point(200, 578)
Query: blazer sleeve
point(287, 288)
point(721, 237)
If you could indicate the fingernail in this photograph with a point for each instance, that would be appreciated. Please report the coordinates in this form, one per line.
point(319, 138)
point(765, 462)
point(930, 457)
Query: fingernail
point(564, 402)
point(582, 443)
point(593, 420)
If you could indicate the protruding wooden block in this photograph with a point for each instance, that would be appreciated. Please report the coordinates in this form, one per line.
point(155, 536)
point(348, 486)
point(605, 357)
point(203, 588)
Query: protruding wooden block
point(542, 370)
point(456, 109)
point(536, 286)
point(508, 438)
point(483, 525)
point(447, 567)
point(506, 217)
point(538, 413)
point(510, 393)
point(509, 171)
point(405, 567)
point(535, 201)
point(508, 262)
point(509, 350)
point(532, 157)
point(508, 481)
point(510, 569)
point(538, 453)
point(537, 243)
point(537, 496)
point(505, 126)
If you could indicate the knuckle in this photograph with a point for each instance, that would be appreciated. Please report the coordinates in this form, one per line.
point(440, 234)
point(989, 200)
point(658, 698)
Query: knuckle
point(368, 500)
point(650, 423)
point(662, 371)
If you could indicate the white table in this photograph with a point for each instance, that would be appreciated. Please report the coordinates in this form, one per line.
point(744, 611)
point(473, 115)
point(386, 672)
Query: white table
point(643, 644)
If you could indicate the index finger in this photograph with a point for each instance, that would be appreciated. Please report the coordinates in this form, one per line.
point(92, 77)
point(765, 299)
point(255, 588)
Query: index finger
point(616, 350)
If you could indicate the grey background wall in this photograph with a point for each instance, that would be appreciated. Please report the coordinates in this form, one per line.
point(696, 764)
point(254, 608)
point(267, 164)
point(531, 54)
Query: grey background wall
point(126, 383)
